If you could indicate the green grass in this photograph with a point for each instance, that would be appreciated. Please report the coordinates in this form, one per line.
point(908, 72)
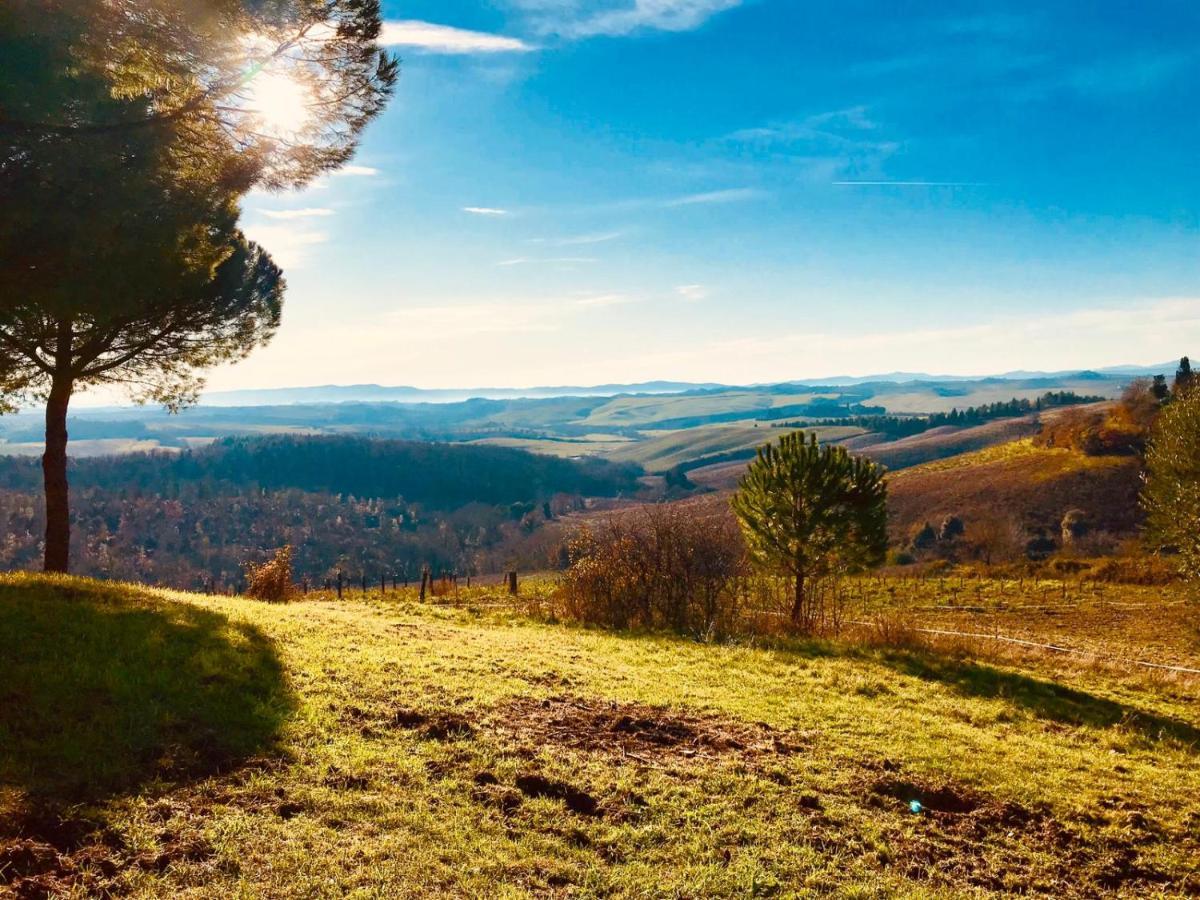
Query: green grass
point(388, 748)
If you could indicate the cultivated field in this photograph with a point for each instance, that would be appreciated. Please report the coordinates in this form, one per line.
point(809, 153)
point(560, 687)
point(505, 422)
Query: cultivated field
point(156, 744)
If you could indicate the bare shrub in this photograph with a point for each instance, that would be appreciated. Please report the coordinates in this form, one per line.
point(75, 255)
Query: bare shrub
point(894, 629)
point(662, 567)
point(995, 538)
point(272, 581)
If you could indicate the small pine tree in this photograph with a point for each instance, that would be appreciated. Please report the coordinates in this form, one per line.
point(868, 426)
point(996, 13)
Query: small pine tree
point(808, 510)
point(1183, 375)
point(1159, 388)
point(1171, 496)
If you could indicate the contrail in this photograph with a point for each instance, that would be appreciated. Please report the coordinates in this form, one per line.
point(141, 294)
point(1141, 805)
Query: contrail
point(912, 183)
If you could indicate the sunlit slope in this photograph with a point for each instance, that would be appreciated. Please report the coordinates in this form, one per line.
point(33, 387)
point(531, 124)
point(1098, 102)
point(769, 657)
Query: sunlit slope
point(1032, 486)
point(387, 748)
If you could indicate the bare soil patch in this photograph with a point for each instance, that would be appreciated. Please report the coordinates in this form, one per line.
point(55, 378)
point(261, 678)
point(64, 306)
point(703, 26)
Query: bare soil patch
point(46, 855)
point(962, 836)
point(638, 731)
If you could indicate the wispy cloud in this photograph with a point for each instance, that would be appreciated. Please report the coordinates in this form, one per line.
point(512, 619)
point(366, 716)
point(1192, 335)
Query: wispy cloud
point(1145, 331)
point(355, 172)
point(552, 260)
point(485, 211)
point(838, 144)
point(731, 195)
point(911, 183)
point(692, 292)
point(590, 18)
point(580, 240)
point(431, 38)
point(292, 214)
point(478, 318)
point(289, 245)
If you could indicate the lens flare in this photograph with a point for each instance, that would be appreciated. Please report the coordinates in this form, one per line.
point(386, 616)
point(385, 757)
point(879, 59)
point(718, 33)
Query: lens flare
point(279, 103)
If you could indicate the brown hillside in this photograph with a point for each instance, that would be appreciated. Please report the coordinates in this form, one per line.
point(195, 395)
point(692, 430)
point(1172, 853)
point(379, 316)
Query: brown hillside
point(937, 443)
point(1031, 486)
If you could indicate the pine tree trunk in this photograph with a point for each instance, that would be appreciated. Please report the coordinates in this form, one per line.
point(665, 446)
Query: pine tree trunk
point(54, 473)
point(798, 603)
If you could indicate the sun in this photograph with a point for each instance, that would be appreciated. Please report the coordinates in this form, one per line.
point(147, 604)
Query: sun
point(280, 103)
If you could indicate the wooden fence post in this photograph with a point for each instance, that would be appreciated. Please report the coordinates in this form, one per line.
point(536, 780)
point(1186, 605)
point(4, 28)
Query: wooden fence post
point(339, 583)
point(512, 583)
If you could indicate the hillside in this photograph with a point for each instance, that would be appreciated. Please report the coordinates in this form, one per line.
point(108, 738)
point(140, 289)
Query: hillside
point(347, 504)
point(598, 422)
point(1031, 486)
point(156, 744)
point(937, 443)
point(663, 451)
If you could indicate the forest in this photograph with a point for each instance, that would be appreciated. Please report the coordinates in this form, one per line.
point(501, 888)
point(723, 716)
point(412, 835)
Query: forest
point(363, 506)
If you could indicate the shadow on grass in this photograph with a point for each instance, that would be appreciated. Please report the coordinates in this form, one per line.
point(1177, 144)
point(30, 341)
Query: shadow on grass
point(1044, 699)
point(105, 689)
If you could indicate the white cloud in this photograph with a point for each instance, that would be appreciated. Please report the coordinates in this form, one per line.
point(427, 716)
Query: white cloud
point(580, 240)
point(451, 321)
point(291, 214)
point(551, 260)
point(289, 245)
point(692, 292)
point(845, 144)
point(1136, 332)
point(444, 39)
point(589, 18)
point(732, 195)
point(355, 172)
point(485, 211)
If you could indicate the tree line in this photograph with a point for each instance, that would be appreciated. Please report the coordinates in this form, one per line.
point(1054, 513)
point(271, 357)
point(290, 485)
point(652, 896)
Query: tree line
point(361, 505)
point(895, 427)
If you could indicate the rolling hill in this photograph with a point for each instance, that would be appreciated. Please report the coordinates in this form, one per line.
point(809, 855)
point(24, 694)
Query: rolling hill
point(1017, 481)
point(157, 744)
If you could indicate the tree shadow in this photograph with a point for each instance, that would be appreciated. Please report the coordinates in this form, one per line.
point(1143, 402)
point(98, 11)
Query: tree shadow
point(1044, 699)
point(105, 689)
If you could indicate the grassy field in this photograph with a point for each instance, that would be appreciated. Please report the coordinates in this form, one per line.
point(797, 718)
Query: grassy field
point(156, 744)
point(663, 451)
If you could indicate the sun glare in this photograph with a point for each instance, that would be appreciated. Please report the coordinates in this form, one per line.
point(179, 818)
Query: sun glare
point(280, 103)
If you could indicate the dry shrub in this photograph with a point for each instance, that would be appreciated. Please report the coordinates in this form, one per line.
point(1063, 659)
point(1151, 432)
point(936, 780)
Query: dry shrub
point(669, 567)
point(271, 581)
point(661, 567)
point(1140, 570)
point(894, 629)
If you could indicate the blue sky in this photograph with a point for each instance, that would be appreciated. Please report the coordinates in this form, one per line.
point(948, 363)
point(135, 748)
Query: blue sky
point(585, 191)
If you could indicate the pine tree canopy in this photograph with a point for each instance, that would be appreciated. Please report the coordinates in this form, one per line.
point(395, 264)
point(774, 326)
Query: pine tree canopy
point(1171, 496)
point(215, 71)
point(808, 510)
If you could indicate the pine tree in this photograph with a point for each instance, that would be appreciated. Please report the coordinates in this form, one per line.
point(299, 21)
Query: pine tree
point(128, 134)
point(809, 510)
point(1183, 376)
point(1171, 496)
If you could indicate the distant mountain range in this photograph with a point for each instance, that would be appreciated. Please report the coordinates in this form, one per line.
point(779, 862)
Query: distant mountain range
point(374, 393)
